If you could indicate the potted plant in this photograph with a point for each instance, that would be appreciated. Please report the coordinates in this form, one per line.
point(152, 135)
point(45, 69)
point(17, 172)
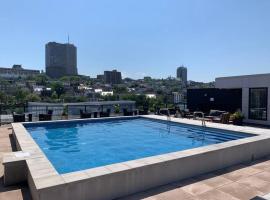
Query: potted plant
point(237, 118)
point(117, 109)
point(65, 113)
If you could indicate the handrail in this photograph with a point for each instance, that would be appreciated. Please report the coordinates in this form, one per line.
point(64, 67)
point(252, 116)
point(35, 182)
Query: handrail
point(168, 120)
point(203, 119)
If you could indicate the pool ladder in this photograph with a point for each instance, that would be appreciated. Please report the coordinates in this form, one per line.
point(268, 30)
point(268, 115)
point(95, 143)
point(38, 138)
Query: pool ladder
point(203, 119)
point(168, 122)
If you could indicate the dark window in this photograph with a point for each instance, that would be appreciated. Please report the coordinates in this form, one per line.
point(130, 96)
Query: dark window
point(258, 103)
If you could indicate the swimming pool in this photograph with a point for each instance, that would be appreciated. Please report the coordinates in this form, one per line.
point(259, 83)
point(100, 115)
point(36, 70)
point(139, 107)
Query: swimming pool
point(89, 144)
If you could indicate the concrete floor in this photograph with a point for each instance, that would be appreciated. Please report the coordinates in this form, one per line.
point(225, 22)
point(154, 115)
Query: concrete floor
point(239, 182)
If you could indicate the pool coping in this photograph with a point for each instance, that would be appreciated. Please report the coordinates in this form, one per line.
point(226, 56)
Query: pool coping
point(46, 183)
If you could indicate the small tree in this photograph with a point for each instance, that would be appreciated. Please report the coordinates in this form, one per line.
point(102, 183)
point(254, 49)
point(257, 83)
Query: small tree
point(58, 88)
point(32, 97)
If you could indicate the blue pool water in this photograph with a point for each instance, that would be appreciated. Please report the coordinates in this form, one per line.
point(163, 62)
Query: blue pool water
point(82, 145)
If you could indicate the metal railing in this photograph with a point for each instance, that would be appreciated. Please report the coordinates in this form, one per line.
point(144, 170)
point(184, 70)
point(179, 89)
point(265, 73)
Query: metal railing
point(72, 111)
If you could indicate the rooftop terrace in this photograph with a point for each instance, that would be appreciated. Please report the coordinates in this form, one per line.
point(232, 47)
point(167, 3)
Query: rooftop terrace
point(240, 182)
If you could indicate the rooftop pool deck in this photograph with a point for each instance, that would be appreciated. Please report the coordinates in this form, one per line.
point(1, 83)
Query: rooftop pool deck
point(131, 154)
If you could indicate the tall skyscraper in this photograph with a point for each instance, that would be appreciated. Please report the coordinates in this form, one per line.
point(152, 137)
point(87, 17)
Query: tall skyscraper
point(61, 60)
point(181, 74)
point(112, 77)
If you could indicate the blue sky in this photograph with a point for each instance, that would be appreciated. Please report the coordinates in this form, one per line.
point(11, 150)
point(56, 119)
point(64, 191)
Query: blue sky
point(141, 37)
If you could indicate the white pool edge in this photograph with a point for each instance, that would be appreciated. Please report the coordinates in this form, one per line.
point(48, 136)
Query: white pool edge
point(121, 179)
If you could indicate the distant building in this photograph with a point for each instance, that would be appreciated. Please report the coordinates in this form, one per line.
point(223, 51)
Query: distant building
point(100, 77)
point(38, 89)
point(61, 60)
point(17, 71)
point(107, 93)
point(181, 74)
point(98, 90)
point(177, 97)
point(151, 96)
point(112, 77)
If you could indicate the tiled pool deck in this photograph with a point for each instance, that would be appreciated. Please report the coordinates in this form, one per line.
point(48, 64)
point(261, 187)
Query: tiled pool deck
point(240, 182)
point(17, 192)
point(243, 181)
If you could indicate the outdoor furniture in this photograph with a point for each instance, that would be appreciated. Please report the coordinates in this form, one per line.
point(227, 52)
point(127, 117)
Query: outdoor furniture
point(127, 113)
point(224, 118)
point(215, 114)
point(30, 116)
point(172, 111)
point(18, 117)
point(135, 112)
point(105, 114)
point(45, 117)
point(144, 111)
point(187, 114)
point(164, 111)
point(198, 114)
point(84, 115)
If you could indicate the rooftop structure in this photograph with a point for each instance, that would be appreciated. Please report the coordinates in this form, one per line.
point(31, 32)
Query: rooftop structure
point(112, 77)
point(17, 71)
point(255, 95)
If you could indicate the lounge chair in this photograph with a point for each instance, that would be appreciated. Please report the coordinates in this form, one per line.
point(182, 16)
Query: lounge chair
point(105, 114)
point(45, 117)
point(215, 114)
point(18, 117)
point(84, 115)
point(164, 111)
point(224, 118)
point(172, 111)
point(187, 114)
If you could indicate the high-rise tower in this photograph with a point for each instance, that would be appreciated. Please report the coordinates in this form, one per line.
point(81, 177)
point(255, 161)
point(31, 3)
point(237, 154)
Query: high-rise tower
point(61, 60)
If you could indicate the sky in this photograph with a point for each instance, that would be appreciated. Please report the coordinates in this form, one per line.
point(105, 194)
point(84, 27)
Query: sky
point(212, 38)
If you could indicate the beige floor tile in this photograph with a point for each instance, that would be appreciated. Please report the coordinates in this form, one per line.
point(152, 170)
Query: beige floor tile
point(263, 165)
point(253, 181)
point(174, 194)
point(214, 180)
point(240, 191)
point(265, 175)
point(11, 195)
point(216, 195)
point(196, 188)
point(240, 173)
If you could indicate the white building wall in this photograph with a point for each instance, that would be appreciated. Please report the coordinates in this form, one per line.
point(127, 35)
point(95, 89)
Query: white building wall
point(246, 82)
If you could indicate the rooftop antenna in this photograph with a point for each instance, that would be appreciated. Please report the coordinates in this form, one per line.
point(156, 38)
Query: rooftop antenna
point(68, 38)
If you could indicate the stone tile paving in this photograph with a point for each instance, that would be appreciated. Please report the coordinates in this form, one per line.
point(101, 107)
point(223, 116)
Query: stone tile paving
point(241, 182)
point(19, 192)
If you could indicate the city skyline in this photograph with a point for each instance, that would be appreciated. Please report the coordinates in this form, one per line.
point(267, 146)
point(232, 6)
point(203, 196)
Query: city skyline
point(210, 38)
